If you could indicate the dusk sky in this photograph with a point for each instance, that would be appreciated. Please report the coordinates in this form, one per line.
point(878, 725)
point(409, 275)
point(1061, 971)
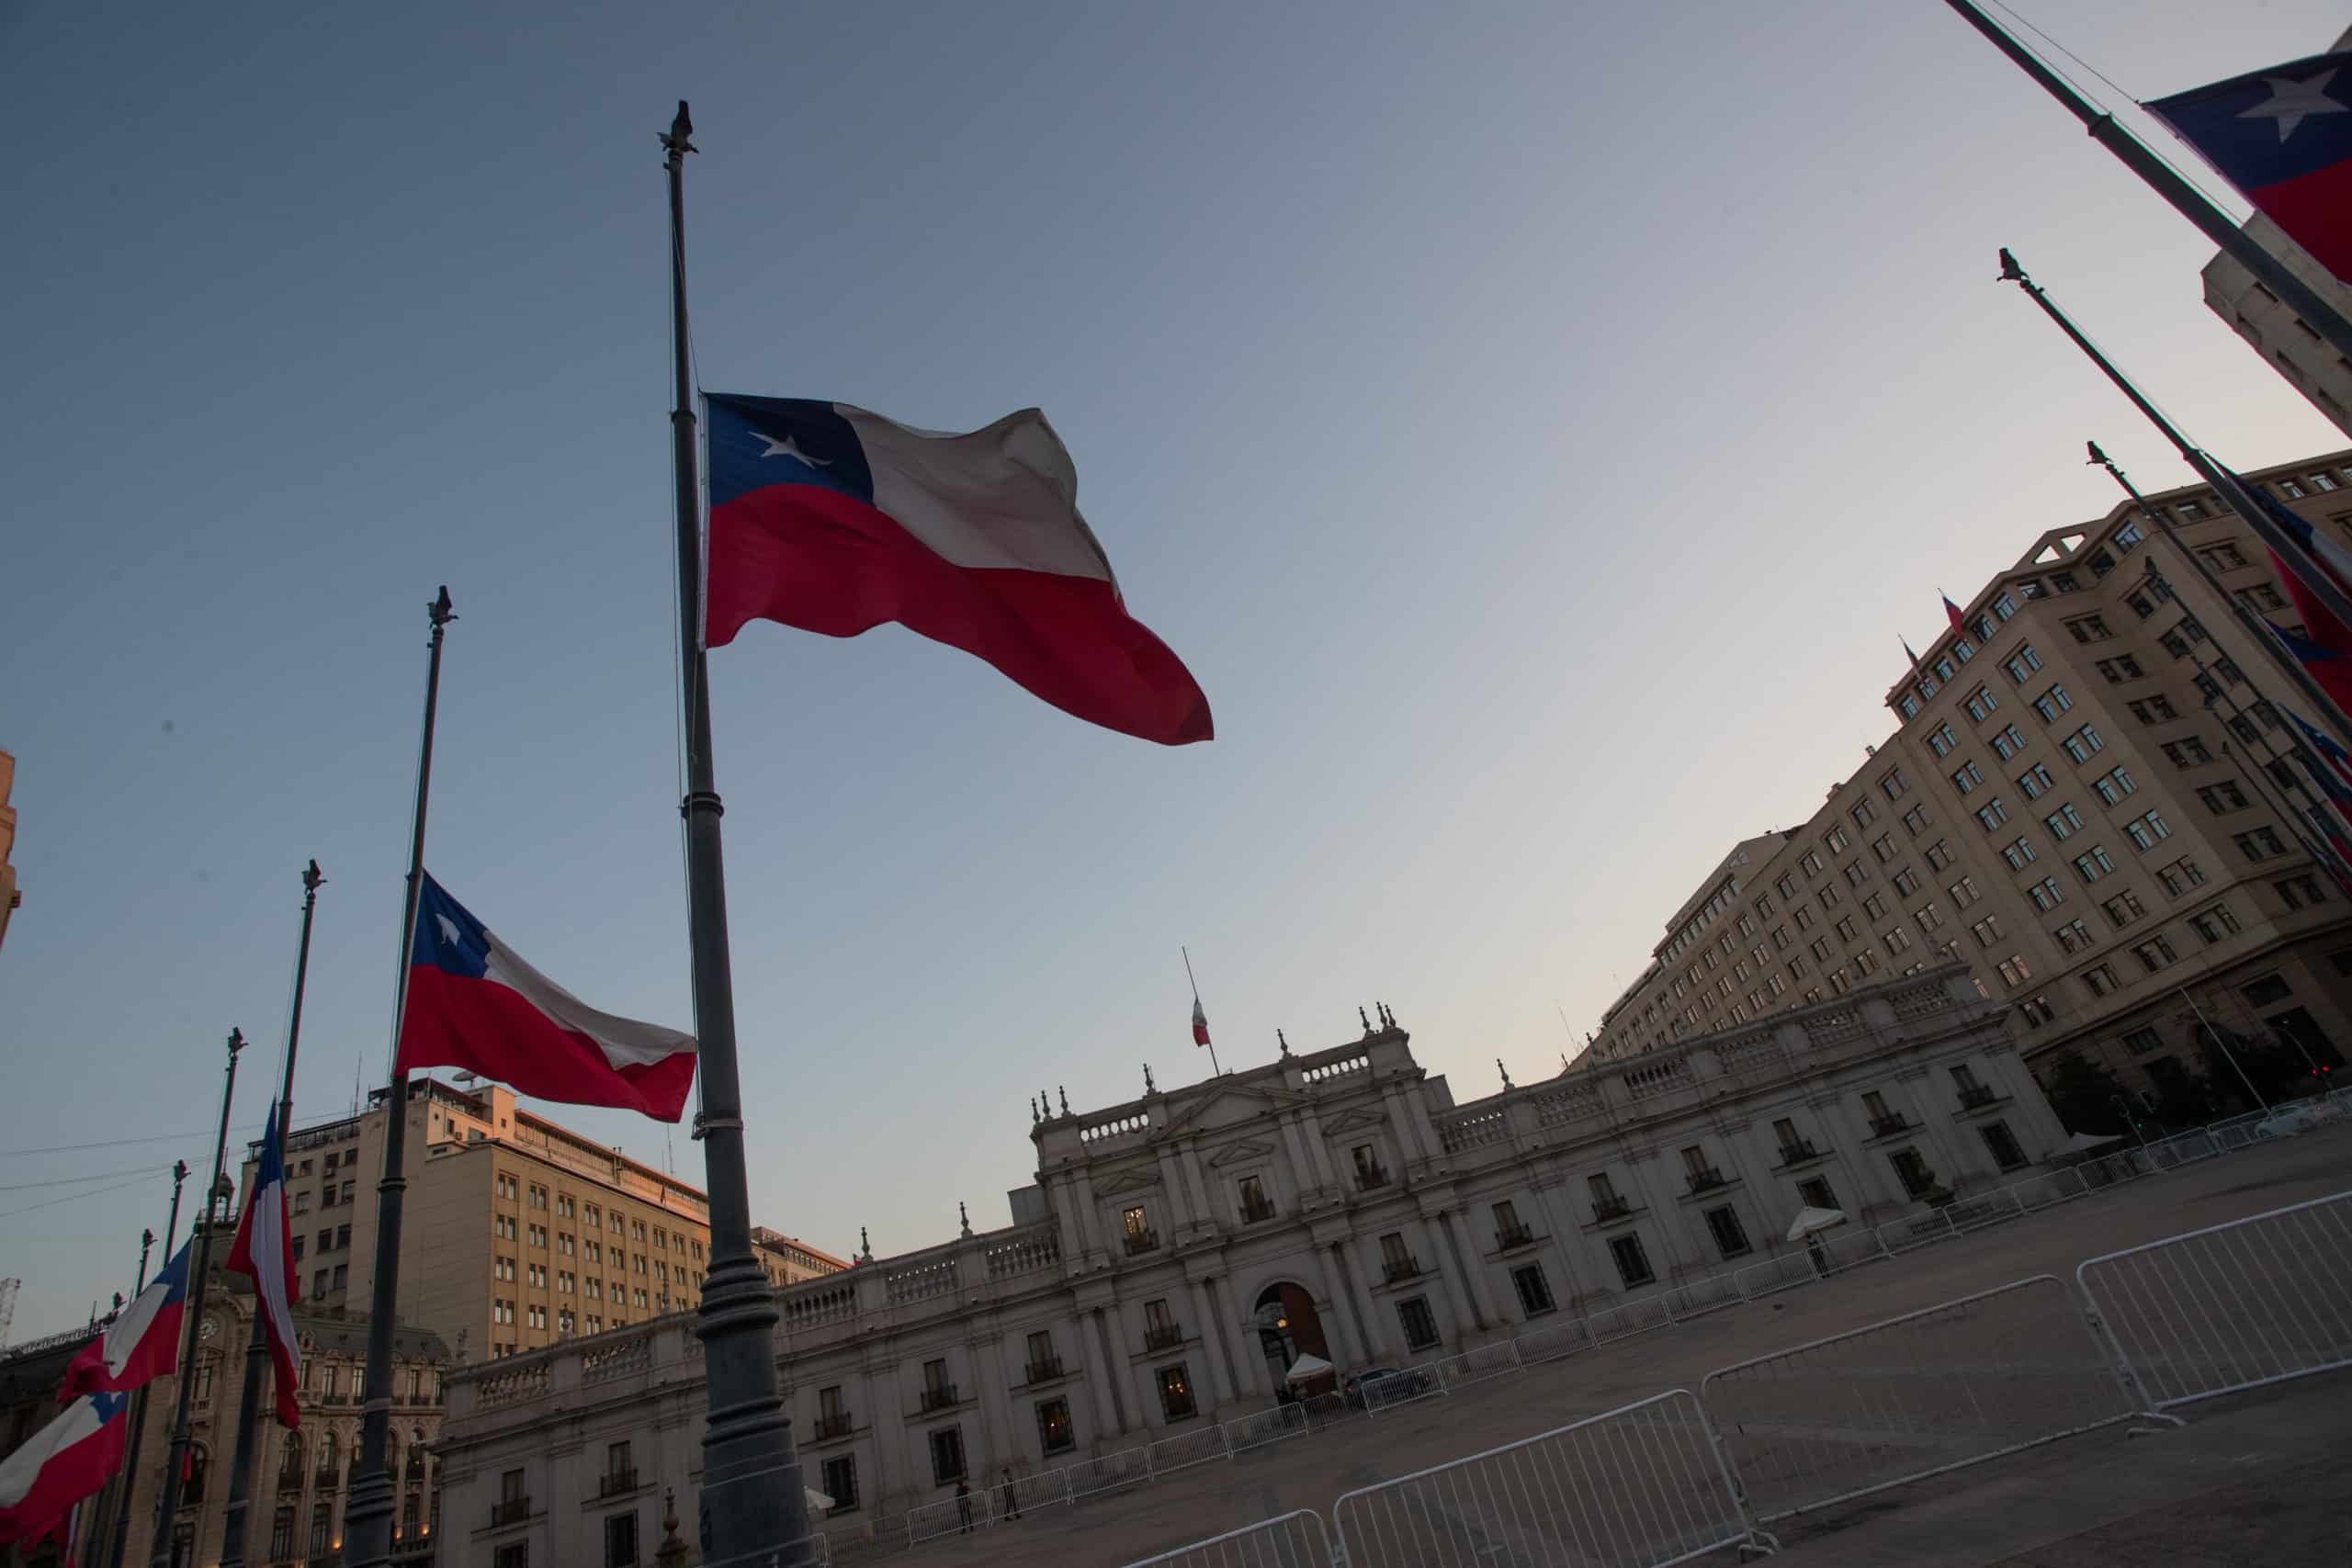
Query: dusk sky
point(1535, 425)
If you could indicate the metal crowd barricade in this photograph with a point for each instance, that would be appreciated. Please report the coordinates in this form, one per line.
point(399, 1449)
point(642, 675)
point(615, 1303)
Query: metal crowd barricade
point(1185, 1449)
point(1044, 1489)
point(2234, 1306)
point(1638, 1488)
point(1287, 1541)
point(1107, 1473)
point(1912, 1396)
point(1563, 1337)
point(1901, 1236)
point(949, 1515)
point(1477, 1366)
point(1403, 1387)
point(1629, 1318)
point(1327, 1409)
point(1262, 1426)
point(1696, 1298)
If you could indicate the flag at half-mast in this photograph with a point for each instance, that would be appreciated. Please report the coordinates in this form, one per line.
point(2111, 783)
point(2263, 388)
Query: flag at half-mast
point(1200, 1024)
point(263, 1252)
point(142, 1344)
point(60, 1465)
point(2301, 555)
point(474, 1003)
point(1952, 614)
point(834, 520)
point(2284, 138)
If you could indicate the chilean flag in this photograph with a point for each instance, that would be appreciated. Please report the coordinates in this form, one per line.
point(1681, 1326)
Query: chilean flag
point(2284, 138)
point(1952, 614)
point(834, 520)
point(263, 1252)
point(472, 1003)
point(60, 1465)
point(2326, 647)
point(142, 1344)
point(1200, 1024)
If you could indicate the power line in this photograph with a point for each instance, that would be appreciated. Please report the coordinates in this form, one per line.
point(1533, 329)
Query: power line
point(72, 1197)
point(77, 1180)
point(125, 1143)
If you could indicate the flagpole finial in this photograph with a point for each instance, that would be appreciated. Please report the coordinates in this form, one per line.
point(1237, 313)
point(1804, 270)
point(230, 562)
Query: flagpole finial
point(2098, 457)
point(1149, 1086)
point(2010, 271)
point(312, 877)
point(1364, 1021)
point(865, 1246)
point(1507, 1084)
point(676, 140)
point(1280, 1041)
point(1065, 1089)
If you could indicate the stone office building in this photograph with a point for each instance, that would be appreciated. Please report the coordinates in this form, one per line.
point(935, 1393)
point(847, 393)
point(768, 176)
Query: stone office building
point(1177, 1253)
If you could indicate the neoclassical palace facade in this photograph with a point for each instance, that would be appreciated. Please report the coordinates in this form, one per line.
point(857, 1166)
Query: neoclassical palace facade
point(1177, 1252)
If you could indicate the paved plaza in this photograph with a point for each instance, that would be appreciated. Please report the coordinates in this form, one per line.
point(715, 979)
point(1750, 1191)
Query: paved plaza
point(2243, 1452)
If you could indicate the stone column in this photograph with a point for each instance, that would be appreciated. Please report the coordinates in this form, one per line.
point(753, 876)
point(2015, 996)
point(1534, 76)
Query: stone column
point(1473, 1267)
point(1302, 1177)
point(1192, 1163)
point(1847, 1130)
point(886, 1413)
point(1212, 1343)
point(1375, 1326)
point(1656, 1192)
point(995, 1399)
point(1311, 1129)
point(1334, 1316)
point(1099, 1371)
point(1401, 1127)
point(1179, 1208)
point(1082, 1199)
point(1250, 1362)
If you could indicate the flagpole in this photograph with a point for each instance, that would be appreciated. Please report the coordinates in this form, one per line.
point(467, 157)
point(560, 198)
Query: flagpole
point(368, 1515)
point(199, 1269)
point(2186, 198)
point(1215, 1070)
point(241, 1463)
point(753, 1510)
point(2290, 555)
point(138, 1417)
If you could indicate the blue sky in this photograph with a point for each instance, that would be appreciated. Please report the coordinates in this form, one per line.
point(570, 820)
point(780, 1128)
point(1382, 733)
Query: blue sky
point(1534, 432)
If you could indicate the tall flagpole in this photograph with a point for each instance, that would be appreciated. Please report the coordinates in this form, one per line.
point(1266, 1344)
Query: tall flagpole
point(2186, 198)
point(367, 1516)
point(753, 1510)
point(199, 1270)
point(116, 1523)
point(2290, 555)
point(1214, 1071)
point(241, 1464)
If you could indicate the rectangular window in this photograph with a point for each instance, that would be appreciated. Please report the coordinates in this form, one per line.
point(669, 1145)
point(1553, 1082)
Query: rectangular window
point(946, 1455)
point(1056, 1435)
point(1731, 1238)
point(1929, 917)
point(2064, 822)
point(2046, 893)
point(1987, 930)
point(1883, 848)
point(1856, 873)
point(1966, 777)
point(1892, 783)
point(2022, 664)
point(1810, 863)
point(1916, 1179)
point(1175, 1391)
point(2155, 953)
point(2002, 1143)
point(1939, 855)
point(1963, 893)
point(2015, 972)
point(1632, 1263)
point(2213, 925)
point(1992, 814)
point(1941, 739)
point(2035, 780)
point(1982, 703)
point(2093, 864)
point(2073, 936)
point(2088, 629)
point(2223, 797)
point(2147, 831)
point(2018, 854)
point(1418, 1324)
point(2123, 908)
point(2083, 744)
point(841, 1483)
point(1897, 939)
point(2301, 892)
point(2051, 704)
point(2180, 876)
point(2122, 668)
point(620, 1540)
point(1874, 908)
point(1907, 881)
point(1534, 1290)
point(2007, 742)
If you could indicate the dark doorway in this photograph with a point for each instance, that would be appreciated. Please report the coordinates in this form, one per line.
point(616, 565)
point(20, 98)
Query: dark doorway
point(1289, 1327)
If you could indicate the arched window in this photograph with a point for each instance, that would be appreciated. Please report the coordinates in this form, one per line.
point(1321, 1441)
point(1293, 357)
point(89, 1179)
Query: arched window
point(290, 1464)
point(416, 1454)
point(192, 1493)
point(330, 1459)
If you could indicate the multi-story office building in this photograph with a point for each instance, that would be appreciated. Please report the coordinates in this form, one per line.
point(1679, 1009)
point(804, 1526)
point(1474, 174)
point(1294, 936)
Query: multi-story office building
point(1179, 1252)
point(516, 1232)
point(2088, 797)
point(788, 1261)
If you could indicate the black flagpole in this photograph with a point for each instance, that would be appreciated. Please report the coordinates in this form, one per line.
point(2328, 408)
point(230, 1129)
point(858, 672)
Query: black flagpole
point(241, 1464)
point(121, 1521)
point(367, 1516)
point(2186, 198)
point(2322, 587)
point(199, 1269)
point(753, 1510)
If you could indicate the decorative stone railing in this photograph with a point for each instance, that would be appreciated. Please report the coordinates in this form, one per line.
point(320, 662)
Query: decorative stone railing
point(1916, 1002)
point(1119, 1126)
point(511, 1387)
point(1554, 1107)
point(1324, 1072)
point(1664, 1077)
point(816, 1303)
point(606, 1360)
point(920, 1282)
point(1753, 1054)
point(1835, 1026)
point(1028, 1251)
point(1472, 1129)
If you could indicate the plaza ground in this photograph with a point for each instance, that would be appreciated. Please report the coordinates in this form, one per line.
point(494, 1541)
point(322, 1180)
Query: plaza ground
point(2252, 1479)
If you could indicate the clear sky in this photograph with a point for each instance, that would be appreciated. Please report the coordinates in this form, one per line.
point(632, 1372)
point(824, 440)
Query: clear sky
point(1534, 427)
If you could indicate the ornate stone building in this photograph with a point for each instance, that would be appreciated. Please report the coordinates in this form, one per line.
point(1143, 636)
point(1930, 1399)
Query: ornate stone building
point(1179, 1251)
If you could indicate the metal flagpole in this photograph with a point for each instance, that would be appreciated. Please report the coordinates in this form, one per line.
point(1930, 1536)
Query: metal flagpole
point(2186, 198)
point(111, 1496)
point(2255, 626)
point(200, 1267)
point(368, 1515)
point(2291, 555)
point(753, 1510)
point(241, 1463)
point(138, 1401)
point(1213, 1069)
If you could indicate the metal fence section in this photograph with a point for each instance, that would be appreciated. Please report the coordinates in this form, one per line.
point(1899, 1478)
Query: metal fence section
point(1288, 1540)
point(1185, 1449)
point(949, 1515)
point(1565, 1337)
point(1042, 1490)
point(1629, 1318)
point(1912, 1396)
point(1107, 1473)
point(1262, 1426)
point(1638, 1488)
point(2257, 1301)
point(1477, 1366)
point(1327, 1410)
point(1399, 1388)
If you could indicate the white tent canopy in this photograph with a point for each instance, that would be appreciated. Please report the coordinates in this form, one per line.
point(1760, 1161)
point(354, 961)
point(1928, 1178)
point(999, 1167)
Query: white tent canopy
point(1307, 1367)
point(1810, 1220)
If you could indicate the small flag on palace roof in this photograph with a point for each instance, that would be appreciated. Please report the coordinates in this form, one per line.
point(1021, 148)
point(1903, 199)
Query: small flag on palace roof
point(834, 520)
point(263, 1252)
point(1907, 650)
point(1952, 614)
point(142, 1344)
point(1200, 1024)
point(60, 1465)
point(2284, 138)
point(474, 1003)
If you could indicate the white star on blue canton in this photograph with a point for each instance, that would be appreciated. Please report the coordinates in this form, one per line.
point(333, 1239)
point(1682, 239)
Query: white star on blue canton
point(788, 447)
point(2292, 103)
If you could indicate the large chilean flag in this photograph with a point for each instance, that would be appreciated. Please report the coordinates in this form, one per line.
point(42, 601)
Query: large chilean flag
point(472, 1003)
point(2283, 137)
point(60, 1465)
point(142, 1344)
point(834, 520)
point(263, 1252)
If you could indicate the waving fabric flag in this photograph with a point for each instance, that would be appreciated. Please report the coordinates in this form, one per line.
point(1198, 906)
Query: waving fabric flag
point(60, 1465)
point(263, 1252)
point(2301, 555)
point(1200, 1024)
point(834, 520)
point(1952, 614)
point(2284, 138)
point(472, 1003)
point(143, 1343)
